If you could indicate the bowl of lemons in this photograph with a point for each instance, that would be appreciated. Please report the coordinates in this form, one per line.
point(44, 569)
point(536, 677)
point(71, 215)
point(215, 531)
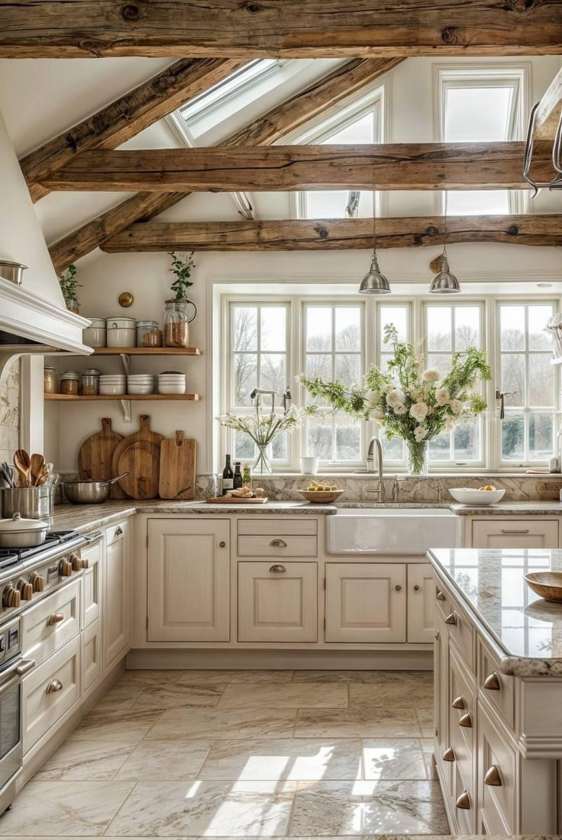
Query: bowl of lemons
point(485, 495)
point(321, 492)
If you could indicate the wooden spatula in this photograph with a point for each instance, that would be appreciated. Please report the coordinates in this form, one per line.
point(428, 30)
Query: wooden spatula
point(22, 463)
point(37, 465)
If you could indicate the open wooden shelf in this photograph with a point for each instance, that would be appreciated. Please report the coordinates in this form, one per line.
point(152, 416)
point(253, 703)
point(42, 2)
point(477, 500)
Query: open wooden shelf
point(122, 397)
point(147, 351)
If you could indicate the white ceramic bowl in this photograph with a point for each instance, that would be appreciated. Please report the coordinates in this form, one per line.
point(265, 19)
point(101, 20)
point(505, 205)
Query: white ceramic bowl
point(140, 390)
point(171, 389)
point(108, 389)
point(472, 496)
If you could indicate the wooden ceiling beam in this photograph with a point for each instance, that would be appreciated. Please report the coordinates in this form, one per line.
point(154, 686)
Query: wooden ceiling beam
point(336, 234)
point(304, 105)
point(279, 28)
point(388, 166)
point(126, 116)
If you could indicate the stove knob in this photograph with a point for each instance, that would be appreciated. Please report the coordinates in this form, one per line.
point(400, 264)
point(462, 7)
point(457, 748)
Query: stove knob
point(77, 564)
point(11, 598)
point(38, 582)
point(25, 589)
point(65, 568)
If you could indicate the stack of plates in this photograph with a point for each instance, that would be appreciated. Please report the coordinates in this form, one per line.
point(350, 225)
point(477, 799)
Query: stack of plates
point(140, 383)
point(114, 383)
point(172, 382)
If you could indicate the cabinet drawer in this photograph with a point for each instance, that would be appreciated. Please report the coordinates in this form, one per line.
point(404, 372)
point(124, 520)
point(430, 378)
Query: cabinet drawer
point(515, 533)
point(462, 729)
point(277, 602)
point(49, 691)
point(276, 545)
point(92, 583)
point(498, 688)
point(458, 627)
point(496, 777)
point(305, 525)
point(116, 532)
point(51, 623)
point(90, 655)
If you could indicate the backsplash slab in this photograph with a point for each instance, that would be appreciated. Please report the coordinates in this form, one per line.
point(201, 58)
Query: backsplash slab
point(10, 410)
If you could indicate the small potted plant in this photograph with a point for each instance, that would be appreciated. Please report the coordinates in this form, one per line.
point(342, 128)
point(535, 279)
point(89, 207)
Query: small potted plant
point(69, 286)
point(180, 311)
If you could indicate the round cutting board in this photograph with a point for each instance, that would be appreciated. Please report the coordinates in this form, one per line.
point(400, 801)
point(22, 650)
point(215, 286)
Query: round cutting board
point(141, 460)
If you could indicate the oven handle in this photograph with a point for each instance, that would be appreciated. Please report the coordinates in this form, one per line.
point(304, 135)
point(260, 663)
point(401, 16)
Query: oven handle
point(17, 668)
point(93, 538)
point(24, 666)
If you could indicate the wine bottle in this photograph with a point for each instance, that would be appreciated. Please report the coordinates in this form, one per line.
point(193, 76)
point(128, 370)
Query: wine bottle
point(237, 476)
point(227, 477)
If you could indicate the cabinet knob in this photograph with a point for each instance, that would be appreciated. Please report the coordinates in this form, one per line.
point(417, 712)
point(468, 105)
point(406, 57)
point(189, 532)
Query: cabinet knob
point(439, 595)
point(436, 635)
point(55, 618)
point(466, 721)
point(492, 683)
point(493, 777)
point(417, 587)
point(277, 569)
point(398, 588)
point(463, 802)
point(53, 687)
point(458, 703)
point(278, 543)
point(451, 619)
point(449, 755)
point(119, 531)
point(222, 544)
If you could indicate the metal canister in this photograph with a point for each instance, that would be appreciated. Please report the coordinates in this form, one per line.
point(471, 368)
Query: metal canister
point(121, 332)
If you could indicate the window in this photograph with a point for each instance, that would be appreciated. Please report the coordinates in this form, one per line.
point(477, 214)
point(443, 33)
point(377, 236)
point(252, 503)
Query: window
point(528, 382)
point(332, 343)
point(481, 105)
point(448, 330)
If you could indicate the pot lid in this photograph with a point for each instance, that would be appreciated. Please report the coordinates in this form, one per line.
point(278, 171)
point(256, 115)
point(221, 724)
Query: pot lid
point(17, 523)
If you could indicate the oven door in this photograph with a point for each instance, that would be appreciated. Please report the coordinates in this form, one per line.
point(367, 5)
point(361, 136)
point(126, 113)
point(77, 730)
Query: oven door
point(11, 748)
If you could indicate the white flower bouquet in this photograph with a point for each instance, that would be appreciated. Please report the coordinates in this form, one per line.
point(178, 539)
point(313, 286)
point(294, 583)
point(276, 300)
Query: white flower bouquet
point(263, 427)
point(409, 402)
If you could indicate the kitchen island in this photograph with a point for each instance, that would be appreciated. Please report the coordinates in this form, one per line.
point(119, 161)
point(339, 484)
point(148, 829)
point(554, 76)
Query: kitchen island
point(498, 691)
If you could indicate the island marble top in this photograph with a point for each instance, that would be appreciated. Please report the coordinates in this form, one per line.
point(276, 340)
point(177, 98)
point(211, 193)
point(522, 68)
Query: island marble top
point(491, 583)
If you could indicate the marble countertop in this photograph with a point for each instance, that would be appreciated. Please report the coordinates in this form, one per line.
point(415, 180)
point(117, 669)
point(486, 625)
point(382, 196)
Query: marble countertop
point(531, 508)
point(491, 584)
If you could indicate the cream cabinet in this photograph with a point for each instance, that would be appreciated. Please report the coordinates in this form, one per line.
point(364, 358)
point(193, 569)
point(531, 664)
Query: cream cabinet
point(91, 655)
point(189, 580)
point(277, 602)
point(493, 532)
point(51, 623)
point(421, 618)
point(365, 602)
point(92, 555)
point(116, 596)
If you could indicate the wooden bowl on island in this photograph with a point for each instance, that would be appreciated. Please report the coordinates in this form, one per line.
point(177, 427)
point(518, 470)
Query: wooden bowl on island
point(546, 584)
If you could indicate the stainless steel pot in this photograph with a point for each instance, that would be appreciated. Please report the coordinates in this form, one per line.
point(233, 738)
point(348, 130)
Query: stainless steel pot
point(89, 492)
point(22, 533)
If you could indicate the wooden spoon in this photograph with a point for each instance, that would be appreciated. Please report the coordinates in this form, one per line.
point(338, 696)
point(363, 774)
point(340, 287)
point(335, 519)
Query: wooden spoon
point(22, 463)
point(37, 465)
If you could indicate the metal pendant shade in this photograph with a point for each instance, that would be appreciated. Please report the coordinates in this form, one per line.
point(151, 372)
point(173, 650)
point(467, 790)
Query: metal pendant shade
point(445, 282)
point(374, 282)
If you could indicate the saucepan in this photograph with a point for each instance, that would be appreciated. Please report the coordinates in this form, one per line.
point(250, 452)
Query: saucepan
point(17, 532)
point(89, 491)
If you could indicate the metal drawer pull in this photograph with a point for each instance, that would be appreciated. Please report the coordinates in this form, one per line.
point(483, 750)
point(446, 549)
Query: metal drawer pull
point(493, 777)
point(439, 595)
point(458, 703)
point(449, 755)
point(515, 532)
point(277, 569)
point(466, 721)
point(25, 666)
point(118, 532)
point(398, 588)
point(54, 686)
point(451, 619)
point(278, 543)
point(222, 544)
point(56, 618)
point(463, 802)
point(492, 683)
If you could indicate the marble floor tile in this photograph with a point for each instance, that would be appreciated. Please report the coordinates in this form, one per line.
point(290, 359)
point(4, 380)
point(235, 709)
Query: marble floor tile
point(120, 697)
point(221, 724)
point(234, 676)
point(175, 696)
point(289, 695)
point(425, 719)
point(126, 726)
point(293, 759)
point(85, 760)
point(206, 809)
point(159, 761)
point(367, 807)
point(361, 676)
point(60, 809)
point(360, 722)
point(143, 677)
point(392, 691)
point(394, 758)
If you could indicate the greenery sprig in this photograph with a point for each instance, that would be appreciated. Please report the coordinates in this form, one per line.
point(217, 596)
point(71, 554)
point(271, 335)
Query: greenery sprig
point(182, 269)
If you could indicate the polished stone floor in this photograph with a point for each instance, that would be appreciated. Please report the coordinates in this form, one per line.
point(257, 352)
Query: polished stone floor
point(243, 754)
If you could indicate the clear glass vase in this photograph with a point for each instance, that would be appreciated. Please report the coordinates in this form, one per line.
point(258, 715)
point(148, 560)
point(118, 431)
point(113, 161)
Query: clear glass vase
point(417, 458)
point(262, 463)
point(178, 315)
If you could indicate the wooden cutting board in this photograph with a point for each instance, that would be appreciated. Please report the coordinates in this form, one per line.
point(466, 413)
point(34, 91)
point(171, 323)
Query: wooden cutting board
point(141, 460)
point(95, 456)
point(144, 434)
point(177, 467)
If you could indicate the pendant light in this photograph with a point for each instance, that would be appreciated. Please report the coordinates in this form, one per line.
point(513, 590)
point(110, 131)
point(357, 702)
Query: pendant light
point(374, 282)
point(445, 282)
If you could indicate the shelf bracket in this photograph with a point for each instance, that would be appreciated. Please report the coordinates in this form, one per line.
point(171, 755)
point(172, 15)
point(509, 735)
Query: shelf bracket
point(127, 411)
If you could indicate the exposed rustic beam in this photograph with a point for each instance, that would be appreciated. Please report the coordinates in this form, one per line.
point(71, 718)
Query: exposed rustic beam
point(126, 116)
point(336, 234)
point(549, 110)
point(289, 115)
point(288, 28)
point(390, 166)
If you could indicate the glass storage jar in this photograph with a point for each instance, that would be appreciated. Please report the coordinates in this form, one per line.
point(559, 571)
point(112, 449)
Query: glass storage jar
point(50, 380)
point(121, 332)
point(70, 383)
point(148, 334)
point(177, 318)
point(90, 382)
point(95, 334)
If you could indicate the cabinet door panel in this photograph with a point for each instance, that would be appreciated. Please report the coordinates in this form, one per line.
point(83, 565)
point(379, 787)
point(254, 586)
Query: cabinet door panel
point(90, 654)
point(188, 581)
point(92, 583)
point(116, 598)
point(420, 603)
point(514, 533)
point(275, 605)
point(365, 602)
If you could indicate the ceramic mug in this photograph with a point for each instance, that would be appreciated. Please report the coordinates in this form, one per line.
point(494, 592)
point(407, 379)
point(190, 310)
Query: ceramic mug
point(309, 464)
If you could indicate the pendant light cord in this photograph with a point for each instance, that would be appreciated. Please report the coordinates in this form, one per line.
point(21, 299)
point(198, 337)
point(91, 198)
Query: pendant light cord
point(445, 225)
